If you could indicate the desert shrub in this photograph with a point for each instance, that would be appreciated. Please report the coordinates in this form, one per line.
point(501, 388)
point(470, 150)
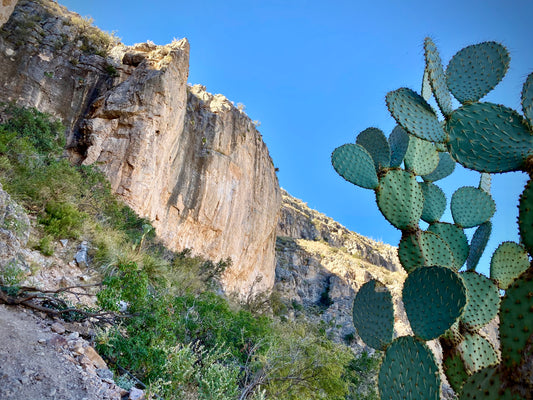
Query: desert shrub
point(46, 245)
point(43, 132)
point(94, 40)
point(62, 220)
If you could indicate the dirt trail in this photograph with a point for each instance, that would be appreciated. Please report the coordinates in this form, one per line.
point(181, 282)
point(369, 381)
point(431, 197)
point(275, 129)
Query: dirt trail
point(37, 363)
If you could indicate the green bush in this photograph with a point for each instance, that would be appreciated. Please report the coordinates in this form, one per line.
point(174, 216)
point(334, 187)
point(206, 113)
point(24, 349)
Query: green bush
point(46, 245)
point(62, 220)
point(44, 133)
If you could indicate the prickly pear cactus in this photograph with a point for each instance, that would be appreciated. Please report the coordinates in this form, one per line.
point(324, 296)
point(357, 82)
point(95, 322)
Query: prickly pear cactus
point(444, 298)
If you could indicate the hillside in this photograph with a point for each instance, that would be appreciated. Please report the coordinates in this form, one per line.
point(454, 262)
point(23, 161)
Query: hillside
point(141, 221)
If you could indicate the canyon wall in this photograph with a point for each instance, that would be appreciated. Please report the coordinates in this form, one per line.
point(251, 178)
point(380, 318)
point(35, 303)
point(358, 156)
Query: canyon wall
point(187, 160)
point(321, 265)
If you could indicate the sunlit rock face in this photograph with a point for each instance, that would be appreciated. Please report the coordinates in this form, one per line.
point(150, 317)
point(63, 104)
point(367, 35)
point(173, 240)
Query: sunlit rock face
point(187, 160)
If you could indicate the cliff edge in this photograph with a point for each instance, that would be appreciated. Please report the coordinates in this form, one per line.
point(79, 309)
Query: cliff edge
point(187, 160)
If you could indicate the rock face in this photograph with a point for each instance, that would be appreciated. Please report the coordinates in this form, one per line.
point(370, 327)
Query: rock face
point(300, 222)
point(6, 8)
point(48, 62)
point(189, 161)
point(321, 265)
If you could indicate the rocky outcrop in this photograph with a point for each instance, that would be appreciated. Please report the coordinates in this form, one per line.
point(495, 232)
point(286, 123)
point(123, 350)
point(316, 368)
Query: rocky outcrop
point(6, 8)
point(321, 265)
point(189, 161)
point(301, 222)
point(48, 61)
point(193, 164)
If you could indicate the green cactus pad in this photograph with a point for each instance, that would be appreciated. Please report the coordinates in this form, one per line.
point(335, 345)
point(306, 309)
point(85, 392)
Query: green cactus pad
point(415, 115)
point(410, 251)
point(477, 353)
point(453, 335)
point(437, 78)
point(421, 248)
point(471, 207)
point(375, 142)
point(434, 297)
point(434, 202)
point(477, 245)
point(525, 216)
point(484, 182)
point(445, 167)
point(398, 142)
point(441, 147)
point(485, 384)
point(488, 137)
point(373, 315)
point(421, 157)
point(527, 99)
point(455, 237)
point(355, 164)
point(507, 263)
point(400, 199)
point(455, 371)
point(425, 92)
point(476, 70)
point(408, 371)
point(516, 319)
point(483, 300)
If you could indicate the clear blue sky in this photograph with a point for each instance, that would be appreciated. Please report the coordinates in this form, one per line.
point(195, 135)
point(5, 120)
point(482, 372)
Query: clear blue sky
point(315, 74)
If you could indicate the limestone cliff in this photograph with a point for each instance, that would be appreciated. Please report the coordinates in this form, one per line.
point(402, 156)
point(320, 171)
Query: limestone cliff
point(187, 160)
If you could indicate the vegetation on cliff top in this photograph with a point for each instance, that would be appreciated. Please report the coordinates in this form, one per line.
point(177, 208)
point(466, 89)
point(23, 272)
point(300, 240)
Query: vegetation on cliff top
point(181, 338)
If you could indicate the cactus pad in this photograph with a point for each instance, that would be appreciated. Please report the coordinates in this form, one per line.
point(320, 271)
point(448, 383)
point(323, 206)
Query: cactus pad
point(434, 202)
point(423, 248)
point(453, 335)
point(483, 300)
point(488, 137)
point(477, 245)
point(477, 353)
point(445, 167)
point(516, 319)
point(408, 371)
point(398, 142)
point(507, 263)
point(476, 70)
point(455, 371)
point(471, 206)
point(400, 199)
point(425, 92)
point(434, 297)
point(355, 164)
point(525, 216)
point(527, 99)
point(373, 315)
point(415, 115)
point(437, 78)
point(421, 157)
point(375, 142)
point(456, 239)
point(485, 384)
